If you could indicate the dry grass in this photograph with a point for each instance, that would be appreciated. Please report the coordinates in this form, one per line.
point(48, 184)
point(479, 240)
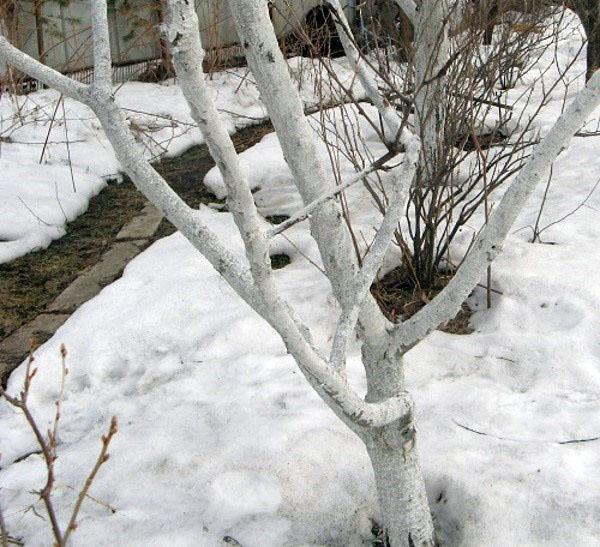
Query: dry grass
point(28, 284)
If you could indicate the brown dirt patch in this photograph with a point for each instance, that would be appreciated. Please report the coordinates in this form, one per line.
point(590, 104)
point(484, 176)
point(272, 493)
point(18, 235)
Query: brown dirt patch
point(399, 300)
point(185, 173)
point(28, 284)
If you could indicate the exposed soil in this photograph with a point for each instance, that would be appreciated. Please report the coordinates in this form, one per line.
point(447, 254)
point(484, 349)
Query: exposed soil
point(484, 141)
point(276, 219)
point(185, 173)
point(399, 300)
point(279, 261)
point(28, 284)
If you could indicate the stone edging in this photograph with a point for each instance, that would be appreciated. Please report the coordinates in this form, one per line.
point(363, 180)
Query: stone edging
point(130, 241)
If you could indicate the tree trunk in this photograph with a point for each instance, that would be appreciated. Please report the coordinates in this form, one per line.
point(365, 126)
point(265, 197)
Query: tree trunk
point(393, 452)
point(163, 46)
point(400, 486)
point(39, 30)
point(490, 22)
point(592, 30)
point(588, 12)
point(432, 53)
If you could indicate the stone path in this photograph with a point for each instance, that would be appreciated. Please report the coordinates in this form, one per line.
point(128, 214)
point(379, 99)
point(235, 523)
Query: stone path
point(130, 241)
point(184, 174)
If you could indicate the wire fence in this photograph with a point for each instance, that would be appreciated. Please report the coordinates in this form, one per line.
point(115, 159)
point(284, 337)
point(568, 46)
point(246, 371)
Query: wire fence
point(58, 33)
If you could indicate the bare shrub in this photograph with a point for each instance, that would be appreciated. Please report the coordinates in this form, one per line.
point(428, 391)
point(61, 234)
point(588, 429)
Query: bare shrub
point(48, 444)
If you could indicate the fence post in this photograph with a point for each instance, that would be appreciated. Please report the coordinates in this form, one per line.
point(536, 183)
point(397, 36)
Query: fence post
point(39, 29)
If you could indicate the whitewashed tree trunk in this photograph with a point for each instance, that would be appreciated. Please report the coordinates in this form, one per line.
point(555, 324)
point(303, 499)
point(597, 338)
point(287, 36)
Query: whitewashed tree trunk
point(384, 419)
point(401, 488)
point(432, 52)
point(405, 512)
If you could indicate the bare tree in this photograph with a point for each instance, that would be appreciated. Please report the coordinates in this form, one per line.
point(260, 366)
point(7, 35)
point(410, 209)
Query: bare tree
point(384, 419)
point(474, 130)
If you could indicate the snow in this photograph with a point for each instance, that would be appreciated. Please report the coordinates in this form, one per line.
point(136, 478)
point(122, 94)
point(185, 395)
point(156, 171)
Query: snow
point(38, 202)
point(221, 436)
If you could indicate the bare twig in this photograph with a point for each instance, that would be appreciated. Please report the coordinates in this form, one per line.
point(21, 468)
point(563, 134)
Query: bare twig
point(311, 207)
point(569, 214)
point(3, 531)
point(49, 450)
point(531, 441)
point(50, 128)
point(68, 144)
point(102, 458)
point(40, 219)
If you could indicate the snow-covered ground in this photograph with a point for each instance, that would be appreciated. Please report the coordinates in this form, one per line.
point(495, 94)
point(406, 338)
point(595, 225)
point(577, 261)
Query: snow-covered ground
point(221, 436)
point(40, 194)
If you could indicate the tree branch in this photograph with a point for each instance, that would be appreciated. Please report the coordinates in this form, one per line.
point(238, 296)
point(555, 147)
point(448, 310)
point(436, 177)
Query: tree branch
point(410, 9)
point(130, 156)
point(26, 64)
point(286, 111)
point(489, 243)
point(100, 461)
point(305, 213)
point(365, 74)
point(186, 48)
point(372, 262)
point(101, 47)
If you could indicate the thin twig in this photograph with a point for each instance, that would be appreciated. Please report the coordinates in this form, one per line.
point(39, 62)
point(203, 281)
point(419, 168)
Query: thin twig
point(304, 255)
point(484, 160)
point(68, 144)
point(102, 458)
point(536, 227)
point(532, 441)
point(45, 494)
point(310, 208)
point(50, 128)
point(32, 212)
point(571, 213)
point(587, 134)
point(101, 503)
point(49, 448)
point(53, 436)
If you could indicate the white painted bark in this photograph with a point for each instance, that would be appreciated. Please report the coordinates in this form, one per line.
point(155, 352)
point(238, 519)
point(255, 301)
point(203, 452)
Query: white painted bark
point(394, 456)
point(489, 243)
point(400, 486)
point(329, 382)
point(286, 111)
point(402, 180)
point(432, 51)
point(366, 76)
point(384, 419)
point(307, 211)
point(54, 79)
point(410, 9)
point(187, 58)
